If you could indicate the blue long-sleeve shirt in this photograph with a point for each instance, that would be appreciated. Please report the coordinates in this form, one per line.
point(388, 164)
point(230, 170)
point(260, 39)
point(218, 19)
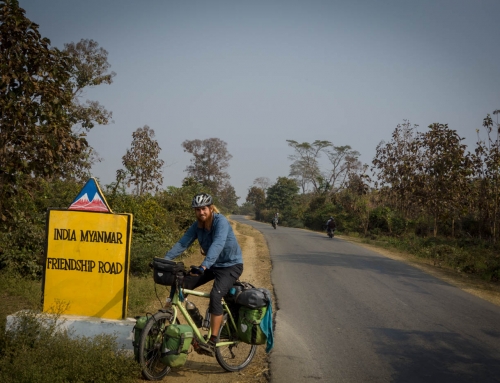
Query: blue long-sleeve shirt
point(219, 243)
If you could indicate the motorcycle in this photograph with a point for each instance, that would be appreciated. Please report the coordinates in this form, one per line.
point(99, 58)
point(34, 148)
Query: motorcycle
point(330, 232)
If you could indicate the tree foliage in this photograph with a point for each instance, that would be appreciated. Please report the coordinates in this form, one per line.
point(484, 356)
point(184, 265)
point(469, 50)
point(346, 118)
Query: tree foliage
point(306, 168)
point(281, 195)
point(486, 186)
point(262, 183)
point(227, 198)
point(395, 164)
point(35, 126)
point(89, 67)
point(39, 107)
point(425, 172)
point(142, 163)
point(441, 182)
point(256, 198)
point(209, 163)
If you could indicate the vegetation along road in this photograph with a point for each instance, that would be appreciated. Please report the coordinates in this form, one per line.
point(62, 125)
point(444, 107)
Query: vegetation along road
point(348, 314)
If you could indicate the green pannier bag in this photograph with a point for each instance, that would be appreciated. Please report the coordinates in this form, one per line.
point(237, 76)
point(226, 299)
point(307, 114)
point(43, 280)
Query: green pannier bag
point(249, 330)
point(139, 326)
point(176, 342)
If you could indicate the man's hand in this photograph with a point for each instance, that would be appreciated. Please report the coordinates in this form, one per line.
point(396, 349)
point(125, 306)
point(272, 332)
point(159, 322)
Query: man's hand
point(197, 270)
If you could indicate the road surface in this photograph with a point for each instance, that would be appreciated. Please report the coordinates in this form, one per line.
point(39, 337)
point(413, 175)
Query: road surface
point(348, 314)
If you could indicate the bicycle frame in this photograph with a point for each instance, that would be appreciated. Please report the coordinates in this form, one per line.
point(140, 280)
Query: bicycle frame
point(177, 305)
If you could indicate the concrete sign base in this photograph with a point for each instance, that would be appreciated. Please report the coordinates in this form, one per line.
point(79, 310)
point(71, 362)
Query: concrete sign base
point(78, 326)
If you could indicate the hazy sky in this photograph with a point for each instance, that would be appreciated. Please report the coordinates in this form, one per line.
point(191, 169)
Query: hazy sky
point(256, 73)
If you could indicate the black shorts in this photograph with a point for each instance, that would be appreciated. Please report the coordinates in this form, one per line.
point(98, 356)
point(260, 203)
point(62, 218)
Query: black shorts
point(224, 280)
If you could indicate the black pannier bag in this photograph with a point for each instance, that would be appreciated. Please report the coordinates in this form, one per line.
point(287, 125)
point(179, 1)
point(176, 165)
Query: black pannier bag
point(253, 298)
point(236, 290)
point(164, 271)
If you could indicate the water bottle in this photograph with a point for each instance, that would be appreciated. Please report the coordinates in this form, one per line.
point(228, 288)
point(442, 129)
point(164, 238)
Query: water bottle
point(206, 321)
point(194, 313)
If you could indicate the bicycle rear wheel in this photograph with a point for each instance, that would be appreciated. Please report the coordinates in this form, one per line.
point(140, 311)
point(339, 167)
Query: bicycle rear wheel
point(234, 357)
point(150, 346)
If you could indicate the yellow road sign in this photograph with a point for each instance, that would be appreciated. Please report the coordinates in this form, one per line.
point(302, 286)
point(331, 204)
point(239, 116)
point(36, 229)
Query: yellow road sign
point(87, 263)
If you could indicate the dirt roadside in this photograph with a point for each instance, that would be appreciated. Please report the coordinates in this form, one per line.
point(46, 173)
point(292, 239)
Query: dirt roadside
point(257, 270)
point(473, 285)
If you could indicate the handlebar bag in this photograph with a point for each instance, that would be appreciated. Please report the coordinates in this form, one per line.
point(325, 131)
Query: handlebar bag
point(176, 342)
point(165, 271)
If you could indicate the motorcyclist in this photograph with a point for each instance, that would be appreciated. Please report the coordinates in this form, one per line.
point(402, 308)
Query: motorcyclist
point(331, 225)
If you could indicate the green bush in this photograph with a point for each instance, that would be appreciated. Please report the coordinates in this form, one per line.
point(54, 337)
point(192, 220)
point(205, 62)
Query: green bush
point(22, 236)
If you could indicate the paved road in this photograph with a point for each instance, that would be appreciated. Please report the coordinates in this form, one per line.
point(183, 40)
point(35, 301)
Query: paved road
point(347, 314)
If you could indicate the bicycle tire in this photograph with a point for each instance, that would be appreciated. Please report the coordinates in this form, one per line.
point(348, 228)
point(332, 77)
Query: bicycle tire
point(226, 355)
point(150, 346)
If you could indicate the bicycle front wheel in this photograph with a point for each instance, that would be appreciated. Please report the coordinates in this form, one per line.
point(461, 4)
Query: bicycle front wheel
point(236, 356)
point(150, 346)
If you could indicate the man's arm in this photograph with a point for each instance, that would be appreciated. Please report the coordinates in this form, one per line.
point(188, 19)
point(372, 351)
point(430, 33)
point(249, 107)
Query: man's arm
point(187, 240)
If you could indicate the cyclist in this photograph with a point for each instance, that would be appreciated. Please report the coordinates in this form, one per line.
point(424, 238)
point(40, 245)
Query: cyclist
point(330, 224)
point(223, 258)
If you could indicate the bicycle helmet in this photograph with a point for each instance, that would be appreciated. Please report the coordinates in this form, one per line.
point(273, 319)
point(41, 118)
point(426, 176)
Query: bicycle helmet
point(201, 200)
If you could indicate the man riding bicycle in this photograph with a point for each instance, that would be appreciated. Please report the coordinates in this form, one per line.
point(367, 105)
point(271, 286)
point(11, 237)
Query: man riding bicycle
point(223, 260)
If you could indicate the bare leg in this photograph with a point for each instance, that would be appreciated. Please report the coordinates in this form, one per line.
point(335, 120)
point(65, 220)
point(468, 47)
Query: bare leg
point(215, 323)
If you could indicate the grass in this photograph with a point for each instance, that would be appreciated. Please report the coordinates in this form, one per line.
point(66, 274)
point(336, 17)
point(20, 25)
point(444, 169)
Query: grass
point(35, 349)
point(41, 353)
point(144, 296)
point(477, 258)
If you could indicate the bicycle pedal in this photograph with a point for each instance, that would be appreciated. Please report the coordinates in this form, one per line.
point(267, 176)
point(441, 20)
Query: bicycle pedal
point(206, 349)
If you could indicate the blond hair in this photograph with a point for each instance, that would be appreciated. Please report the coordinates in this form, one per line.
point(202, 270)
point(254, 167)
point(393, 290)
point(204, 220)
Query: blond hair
point(214, 209)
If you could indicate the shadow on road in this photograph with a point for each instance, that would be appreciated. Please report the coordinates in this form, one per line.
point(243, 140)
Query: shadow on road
point(419, 356)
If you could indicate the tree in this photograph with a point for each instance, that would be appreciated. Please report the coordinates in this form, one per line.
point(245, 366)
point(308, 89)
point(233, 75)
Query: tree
point(144, 168)
point(262, 182)
point(227, 198)
point(281, 195)
point(395, 165)
point(35, 127)
point(441, 183)
point(345, 165)
point(486, 163)
point(42, 124)
point(257, 198)
point(89, 68)
point(305, 167)
point(211, 159)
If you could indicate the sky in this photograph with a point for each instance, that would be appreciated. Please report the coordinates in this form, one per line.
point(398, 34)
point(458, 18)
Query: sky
point(257, 73)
